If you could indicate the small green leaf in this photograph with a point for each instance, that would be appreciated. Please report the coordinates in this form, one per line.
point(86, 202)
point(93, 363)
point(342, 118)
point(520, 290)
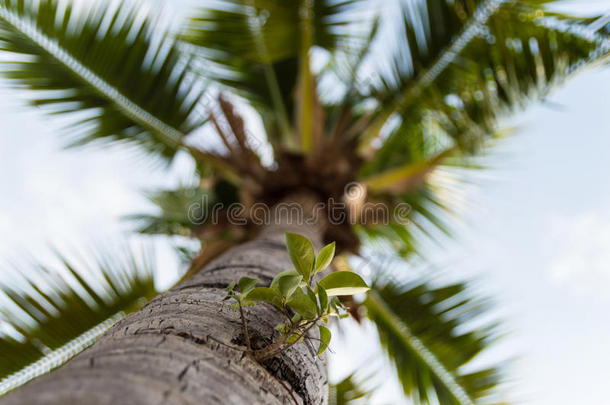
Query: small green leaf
point(302, 304)
point(301, 253)
point(325, 337)
point(265, 294)
point(313, 298)
point(325, 257)
point(288, 283)
point(343, 283)
point(231, 286)
point(323, 298)
point(275, 282)
point(246, 284)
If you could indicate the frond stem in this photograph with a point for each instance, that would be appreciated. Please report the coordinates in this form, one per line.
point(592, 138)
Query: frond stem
point(270, 76)
point(170, 135)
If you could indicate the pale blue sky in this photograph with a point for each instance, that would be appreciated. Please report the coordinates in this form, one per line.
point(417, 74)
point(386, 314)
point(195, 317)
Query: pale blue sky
point(537, 235)
point(540, 239)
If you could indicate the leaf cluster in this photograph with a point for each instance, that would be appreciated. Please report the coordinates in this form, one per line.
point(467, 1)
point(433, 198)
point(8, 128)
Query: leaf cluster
point(296, 293)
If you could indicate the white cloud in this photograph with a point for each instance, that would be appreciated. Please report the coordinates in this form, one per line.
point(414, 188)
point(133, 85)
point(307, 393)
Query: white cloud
point(579, 251)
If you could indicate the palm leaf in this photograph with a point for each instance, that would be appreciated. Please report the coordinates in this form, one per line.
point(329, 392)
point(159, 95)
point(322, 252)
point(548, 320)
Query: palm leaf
point(425, 332)
point(469, 66)
point(133, 86)
point(251, 48)
point(446, 87)
point(49, 314)
point(426, 212)
point(184, 210)
point(349, 391)
point(179, 212)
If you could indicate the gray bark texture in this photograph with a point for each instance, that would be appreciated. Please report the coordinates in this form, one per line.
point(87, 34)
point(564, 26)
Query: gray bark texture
point(187, 347)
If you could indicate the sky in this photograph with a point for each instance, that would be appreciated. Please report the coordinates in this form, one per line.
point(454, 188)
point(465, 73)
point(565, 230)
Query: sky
point(536, 236)
point(540, 238)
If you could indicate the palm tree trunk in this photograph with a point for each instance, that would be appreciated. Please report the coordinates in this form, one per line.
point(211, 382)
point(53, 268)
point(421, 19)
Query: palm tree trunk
point(187, 347)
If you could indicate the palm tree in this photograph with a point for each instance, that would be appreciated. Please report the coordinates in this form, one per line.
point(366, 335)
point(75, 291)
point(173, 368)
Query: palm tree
point(358, 108)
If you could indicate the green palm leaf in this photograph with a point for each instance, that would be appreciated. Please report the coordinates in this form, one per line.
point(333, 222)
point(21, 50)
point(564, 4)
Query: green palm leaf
point(459, 67)
point(428, 219)
point(133, 86)
point(426, 335)
point(468, 66)
point(184, 210)
point(180, 211)
point(254, 47)
point(349, 391)
point(49, 314)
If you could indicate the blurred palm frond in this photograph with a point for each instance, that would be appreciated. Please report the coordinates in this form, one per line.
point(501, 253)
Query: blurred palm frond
point(48, 314)
point(459, 66)
point(183, 210)
point(253, 47)
point(349, 391)
point(176, 208)
point(107, 68)
point(427, 334)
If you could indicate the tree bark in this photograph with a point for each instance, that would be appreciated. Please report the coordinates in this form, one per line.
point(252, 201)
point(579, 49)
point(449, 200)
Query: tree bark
point(187, 347)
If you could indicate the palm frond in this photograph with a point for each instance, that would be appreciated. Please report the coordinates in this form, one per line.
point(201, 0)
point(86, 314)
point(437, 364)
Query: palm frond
point(349, 391)
point(469, 65)
point(339, 79)
point(50, 313)
point(132, 84)
point(426, 333)
point(177, 211)
point(458, 68)
point(435, 194)
point(252, 48)
point(184, 210)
